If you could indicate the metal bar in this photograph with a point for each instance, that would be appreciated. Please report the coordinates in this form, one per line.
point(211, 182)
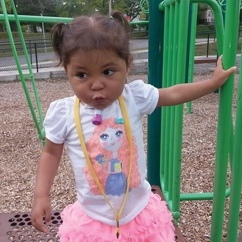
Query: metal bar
point(224, 120)
point(38, 123)
point(180, 77)
point(155, 78)
point(172, 70)
point(175, 39)
point(36, 57)
point(201, 196)
point(207, 44)
point(192, 48)
point(48, 19)
point(164, 110)
point(236, 178)
point(39, 19)
point(16, 57)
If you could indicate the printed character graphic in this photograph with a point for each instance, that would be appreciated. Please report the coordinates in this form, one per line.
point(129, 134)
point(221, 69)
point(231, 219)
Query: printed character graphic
point(110, 156)
point(116, 182)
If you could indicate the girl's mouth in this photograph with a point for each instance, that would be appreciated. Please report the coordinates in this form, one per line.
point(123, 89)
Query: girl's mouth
point(98, 101)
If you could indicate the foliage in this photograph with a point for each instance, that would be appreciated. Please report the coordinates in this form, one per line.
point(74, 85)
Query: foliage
point(36, 7)
point(72, 8)
point(8, 6)
point(132, 8)
point(203, 6)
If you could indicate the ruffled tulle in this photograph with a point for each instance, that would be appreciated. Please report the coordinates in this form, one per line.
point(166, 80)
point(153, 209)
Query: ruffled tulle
point(153, 224)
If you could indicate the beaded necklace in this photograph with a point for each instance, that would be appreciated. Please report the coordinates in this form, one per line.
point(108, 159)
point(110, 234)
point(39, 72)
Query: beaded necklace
point(90, 166)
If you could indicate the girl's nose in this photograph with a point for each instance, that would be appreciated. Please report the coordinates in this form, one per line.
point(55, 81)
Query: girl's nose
point(97, 84)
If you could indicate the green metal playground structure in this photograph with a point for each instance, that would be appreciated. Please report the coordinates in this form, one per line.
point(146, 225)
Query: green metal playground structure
point(172, 34)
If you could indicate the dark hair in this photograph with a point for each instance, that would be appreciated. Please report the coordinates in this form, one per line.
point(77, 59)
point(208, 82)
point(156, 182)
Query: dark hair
point(89, 33)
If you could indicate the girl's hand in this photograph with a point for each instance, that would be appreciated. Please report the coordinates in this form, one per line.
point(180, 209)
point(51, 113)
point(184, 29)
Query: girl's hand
point(41, 213)
point(220, 75)
point(47, 169)
point(187, 92)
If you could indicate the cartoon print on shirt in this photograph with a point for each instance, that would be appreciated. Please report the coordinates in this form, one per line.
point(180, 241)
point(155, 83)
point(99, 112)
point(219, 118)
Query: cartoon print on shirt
point(108, 149)
point(116, 182)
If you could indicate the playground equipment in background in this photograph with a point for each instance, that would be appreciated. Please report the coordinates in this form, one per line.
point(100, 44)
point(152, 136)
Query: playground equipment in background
point(171, 57)
point(173, 35)
point(34, 105)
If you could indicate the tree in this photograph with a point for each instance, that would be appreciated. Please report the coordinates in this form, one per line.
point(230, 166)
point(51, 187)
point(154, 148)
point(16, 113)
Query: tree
point(132, 8)
point(69, 8)
point(8, 6)
point(36, 7)
point(73, 8)
point(201, 11)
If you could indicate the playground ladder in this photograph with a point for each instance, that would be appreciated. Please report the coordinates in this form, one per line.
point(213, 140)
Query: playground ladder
point(177, 53)
point(168, 45)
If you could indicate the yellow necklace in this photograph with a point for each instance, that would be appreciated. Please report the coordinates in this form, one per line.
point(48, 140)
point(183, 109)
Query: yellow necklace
point(93, 173)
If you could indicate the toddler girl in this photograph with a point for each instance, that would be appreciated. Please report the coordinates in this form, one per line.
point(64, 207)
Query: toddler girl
point(101, 126)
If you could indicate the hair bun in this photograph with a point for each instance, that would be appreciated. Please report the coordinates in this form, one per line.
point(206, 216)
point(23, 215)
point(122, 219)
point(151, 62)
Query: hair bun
point(118, 16)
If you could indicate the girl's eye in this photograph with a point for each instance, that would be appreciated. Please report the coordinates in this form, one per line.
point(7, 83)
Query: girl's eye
point(108, 72)
point(82, 75)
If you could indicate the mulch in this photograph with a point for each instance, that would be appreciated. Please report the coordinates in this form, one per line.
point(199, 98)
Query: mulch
point(20, 149)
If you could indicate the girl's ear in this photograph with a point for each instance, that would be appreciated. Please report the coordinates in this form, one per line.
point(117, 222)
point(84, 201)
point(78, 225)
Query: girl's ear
point(65, 68)
point(127, 71)
point(129, 64)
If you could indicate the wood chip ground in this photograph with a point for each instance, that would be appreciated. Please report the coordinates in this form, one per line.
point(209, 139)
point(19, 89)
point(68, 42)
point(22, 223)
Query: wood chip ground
point(20, 149)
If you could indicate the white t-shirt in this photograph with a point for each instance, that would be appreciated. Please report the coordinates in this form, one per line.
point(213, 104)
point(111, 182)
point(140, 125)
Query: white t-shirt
point(108, 150)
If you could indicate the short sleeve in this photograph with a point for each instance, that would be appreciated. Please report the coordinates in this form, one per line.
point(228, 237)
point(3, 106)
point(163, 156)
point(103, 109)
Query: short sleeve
point(145, 96)
point(55, 122)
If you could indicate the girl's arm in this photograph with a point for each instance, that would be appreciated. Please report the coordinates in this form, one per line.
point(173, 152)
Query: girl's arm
point(47, 169)
point(182, 93)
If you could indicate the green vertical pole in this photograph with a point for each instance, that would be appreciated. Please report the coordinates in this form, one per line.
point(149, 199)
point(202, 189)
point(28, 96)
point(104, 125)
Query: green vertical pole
point(156, 23)
point(192, 41)
point(223, 8)
point(171, 66)
point(181, 53)
point(164, 146)
point(224, 120)
point(31, 76)
point(178, 27)
point(236, 178)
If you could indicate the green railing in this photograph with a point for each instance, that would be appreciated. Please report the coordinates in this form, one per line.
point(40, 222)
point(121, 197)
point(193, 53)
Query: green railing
point(225, 132)
point(175, 59)
point(178, 53)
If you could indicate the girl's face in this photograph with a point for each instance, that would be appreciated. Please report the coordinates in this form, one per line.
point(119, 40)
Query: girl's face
point(97, 77)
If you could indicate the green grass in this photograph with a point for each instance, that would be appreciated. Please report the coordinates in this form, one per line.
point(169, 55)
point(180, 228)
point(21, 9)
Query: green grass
point(203, 30)
point(201, 50)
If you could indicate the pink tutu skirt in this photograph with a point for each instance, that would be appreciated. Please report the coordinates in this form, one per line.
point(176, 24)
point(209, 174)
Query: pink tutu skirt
point(153, 224)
